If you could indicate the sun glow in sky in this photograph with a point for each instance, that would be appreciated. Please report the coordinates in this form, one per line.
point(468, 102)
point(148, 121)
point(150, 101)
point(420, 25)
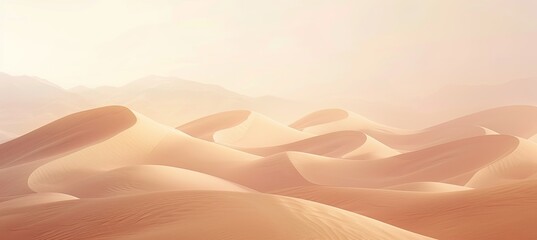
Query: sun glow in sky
point(272, 47)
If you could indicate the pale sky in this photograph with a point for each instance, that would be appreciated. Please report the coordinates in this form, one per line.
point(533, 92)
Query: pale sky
point(276, 47)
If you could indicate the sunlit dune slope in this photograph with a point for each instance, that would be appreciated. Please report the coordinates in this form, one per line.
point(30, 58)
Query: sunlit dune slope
point(145, 143)
point(455, 163)
point(33, 199)
point(21, 156)
point(518, 166)
point(148, 178)
point(503, 212)
point(512, 120)
point(428, 187)
point(243, 129)
point(193, 215)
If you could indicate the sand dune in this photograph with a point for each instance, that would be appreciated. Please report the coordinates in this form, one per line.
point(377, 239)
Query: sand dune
point(190, 215)
point(145, 143)
point(333, 120)
point(206, 127)
point(520, 121)
point(428, 187)
point(453, 163)
point(139, 179)
point(258, 131)
point(518, 166)
point(242, 129)
point(147, 178)
point(33, 200)
point(67, 134)
point(503, 212)
point(344, 144)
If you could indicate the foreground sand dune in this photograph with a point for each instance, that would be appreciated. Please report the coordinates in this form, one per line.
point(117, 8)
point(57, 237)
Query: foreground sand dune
point(33, 199)
point(193, 215)
point(503, 212)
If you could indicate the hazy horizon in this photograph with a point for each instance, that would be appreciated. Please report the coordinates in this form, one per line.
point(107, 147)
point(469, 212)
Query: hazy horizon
point(276, 48)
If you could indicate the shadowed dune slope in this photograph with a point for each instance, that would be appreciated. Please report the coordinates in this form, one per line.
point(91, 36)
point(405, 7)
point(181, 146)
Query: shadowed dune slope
point(67, 134)
point(503, 212)
point(145, 143)
point(21, 156)
point(333, 120)
point(344, 144)
point(190, 215)
point(518, 166)
point(453, 163)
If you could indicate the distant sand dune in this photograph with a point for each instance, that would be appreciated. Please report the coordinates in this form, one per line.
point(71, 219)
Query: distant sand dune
point(513, 120)
point(344, 144)
point(242, 129)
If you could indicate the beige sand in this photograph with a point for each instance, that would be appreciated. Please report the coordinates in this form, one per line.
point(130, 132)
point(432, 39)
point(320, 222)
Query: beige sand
point(503, 212)
point(221, 177)
point(193, 215)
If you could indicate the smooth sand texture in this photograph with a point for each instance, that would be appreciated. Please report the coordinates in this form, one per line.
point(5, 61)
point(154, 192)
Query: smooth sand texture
point(194, 215)
point(344, 144)
point(112, 173)
point(429, 187)
point(258, 131)
point(148, 178)
point(512, 120)
point(503, 212)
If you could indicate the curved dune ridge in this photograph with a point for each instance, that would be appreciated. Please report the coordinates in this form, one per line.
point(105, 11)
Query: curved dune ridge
point(69, 133)
point(258, 131)
point(503, 212)
point(429, 187)
point(34, 199)
point(145, 143)
point(112, 173)
point(453, 163)
point(148, 178)
point(344, 144)
point(518, 166)
point(206, 127)
point(190, 215)
point(512, 120)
